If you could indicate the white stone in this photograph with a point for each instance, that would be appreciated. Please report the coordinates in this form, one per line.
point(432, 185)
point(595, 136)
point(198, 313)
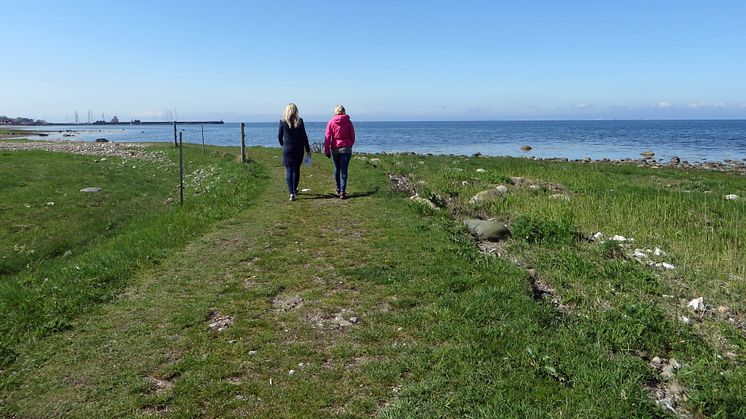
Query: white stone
point(618, 238)
point(50, 204)
point(291, 372)
point(640, 254)
point(598, 236)
point(252, 353)
point(731, 197)
point(464, 182)
point(502, 188)
point(91, 189)
point(659, 252)
point(481, 170)
point(665, 265)
point(305, 190)
point(686, 320)
point(697, 304)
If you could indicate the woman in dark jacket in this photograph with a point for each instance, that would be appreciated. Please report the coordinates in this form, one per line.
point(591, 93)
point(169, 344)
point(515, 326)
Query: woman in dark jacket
point(294, 140)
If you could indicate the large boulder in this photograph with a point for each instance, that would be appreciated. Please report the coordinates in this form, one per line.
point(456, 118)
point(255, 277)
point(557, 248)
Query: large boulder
point(488, 230)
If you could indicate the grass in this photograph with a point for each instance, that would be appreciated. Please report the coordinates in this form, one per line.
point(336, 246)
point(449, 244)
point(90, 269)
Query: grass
point(64, 250)
point(381, 306)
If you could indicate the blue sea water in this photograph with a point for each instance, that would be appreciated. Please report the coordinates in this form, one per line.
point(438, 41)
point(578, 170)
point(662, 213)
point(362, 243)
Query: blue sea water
point(692, 140)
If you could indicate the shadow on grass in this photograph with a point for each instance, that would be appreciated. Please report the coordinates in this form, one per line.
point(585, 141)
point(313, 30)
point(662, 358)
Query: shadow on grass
point(335, 196)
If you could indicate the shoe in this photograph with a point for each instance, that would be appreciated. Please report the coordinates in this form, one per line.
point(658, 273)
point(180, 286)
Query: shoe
point(343, 195)
point(339, 192)
point(292, 197)
point(296, 192)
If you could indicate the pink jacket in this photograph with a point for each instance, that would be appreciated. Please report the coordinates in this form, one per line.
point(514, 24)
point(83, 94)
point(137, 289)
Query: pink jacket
point(339, 133)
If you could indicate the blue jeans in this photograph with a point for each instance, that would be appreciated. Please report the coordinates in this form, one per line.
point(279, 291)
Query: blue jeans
point(292, 176)
point(341, 163)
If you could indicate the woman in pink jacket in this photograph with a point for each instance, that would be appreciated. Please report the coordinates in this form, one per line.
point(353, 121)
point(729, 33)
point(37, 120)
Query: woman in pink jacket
point(338, 141)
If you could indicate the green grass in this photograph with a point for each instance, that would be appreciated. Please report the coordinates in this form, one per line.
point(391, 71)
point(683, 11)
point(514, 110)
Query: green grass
point(441, 330)
point(64, 250)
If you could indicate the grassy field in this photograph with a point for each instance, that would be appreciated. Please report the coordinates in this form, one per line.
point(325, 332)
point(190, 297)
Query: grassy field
point(243, 303)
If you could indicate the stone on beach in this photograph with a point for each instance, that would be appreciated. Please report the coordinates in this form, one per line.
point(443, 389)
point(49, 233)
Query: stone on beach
point(91, 189)
point(488, 229)
point(647, 153)
point(424, 201)
point(490, 195)
point(697, 304)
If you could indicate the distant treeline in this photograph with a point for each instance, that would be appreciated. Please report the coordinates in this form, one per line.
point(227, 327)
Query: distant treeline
point(4, 120)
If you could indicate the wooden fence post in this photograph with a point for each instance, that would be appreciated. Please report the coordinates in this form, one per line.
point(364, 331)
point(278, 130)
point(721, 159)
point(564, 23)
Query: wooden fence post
point(175, 144)
point(181, 169)
point(243, 143)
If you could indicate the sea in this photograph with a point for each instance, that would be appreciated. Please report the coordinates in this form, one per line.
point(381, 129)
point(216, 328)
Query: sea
point(691, 140)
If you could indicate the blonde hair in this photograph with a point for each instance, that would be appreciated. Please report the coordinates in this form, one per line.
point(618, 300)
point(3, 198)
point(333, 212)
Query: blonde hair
point(339, 110)
point(291, 115)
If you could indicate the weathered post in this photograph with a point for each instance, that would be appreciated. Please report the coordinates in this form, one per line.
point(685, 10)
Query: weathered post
point(175, 145)
point(203, 138)
point(181, 170)
point(243, 143)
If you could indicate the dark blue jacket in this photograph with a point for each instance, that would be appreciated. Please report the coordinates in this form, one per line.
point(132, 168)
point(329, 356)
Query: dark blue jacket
point(293, 141)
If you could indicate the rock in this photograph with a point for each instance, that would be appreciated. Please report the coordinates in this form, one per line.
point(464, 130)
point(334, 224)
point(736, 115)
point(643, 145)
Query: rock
point(354, 320)
point(731, 197)
point(598, 236)
point(50, 204)
point(423, 201)
point(656, 362)
point(647, 153)
point(477, 154)
point(488, 230)
point(102, 140)
point(686, 320)
point(697, 304)
point(675, 160)
point(480, 170)
point(639, 254)
point(291, 372)
point(252, 353)
point(526, 147)
point(374, 160)
point(502, 188)
point(665, 265)
point(723, 310)
point(618, 238)
point(489, 195)
point(92, 189)
point(464, 182)
point(658, 252)
point(305, 190)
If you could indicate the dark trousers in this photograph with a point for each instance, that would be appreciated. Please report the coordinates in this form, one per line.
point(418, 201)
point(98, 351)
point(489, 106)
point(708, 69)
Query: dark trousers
point(292, 176)
point(341, 163)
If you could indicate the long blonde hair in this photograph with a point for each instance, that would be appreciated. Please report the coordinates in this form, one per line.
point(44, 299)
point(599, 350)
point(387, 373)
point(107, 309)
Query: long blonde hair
point(291, 115)
point(339, 110)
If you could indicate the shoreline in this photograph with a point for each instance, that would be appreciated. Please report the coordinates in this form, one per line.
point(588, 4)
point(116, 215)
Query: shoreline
point(88, 147)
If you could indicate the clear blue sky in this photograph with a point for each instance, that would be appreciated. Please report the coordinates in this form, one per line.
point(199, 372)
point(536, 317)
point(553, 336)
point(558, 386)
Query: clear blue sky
point(384, 60)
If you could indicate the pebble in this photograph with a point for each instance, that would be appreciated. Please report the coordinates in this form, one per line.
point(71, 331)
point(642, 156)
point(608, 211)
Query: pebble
point(665, 265)
point(291, 372)
point(502, 188)
point(92, 189)
point(659, 252)
point(731, 197)
point(697, 304)
point(480, 170)
point(618, 238)
point(252, 353)
point(50, 204)
point(598, 236)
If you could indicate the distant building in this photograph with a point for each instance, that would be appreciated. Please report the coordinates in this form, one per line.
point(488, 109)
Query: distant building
point(115, 120)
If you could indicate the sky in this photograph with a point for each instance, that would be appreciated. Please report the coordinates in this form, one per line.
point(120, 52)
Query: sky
point(383, 60)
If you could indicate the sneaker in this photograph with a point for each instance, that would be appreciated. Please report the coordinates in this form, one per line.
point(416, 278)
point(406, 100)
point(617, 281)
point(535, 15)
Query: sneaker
point(292, 197)
point(343, 195)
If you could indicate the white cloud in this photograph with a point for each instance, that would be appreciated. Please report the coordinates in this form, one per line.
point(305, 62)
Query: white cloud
point(718, 105)
point(582, 105)
point(662, 105)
